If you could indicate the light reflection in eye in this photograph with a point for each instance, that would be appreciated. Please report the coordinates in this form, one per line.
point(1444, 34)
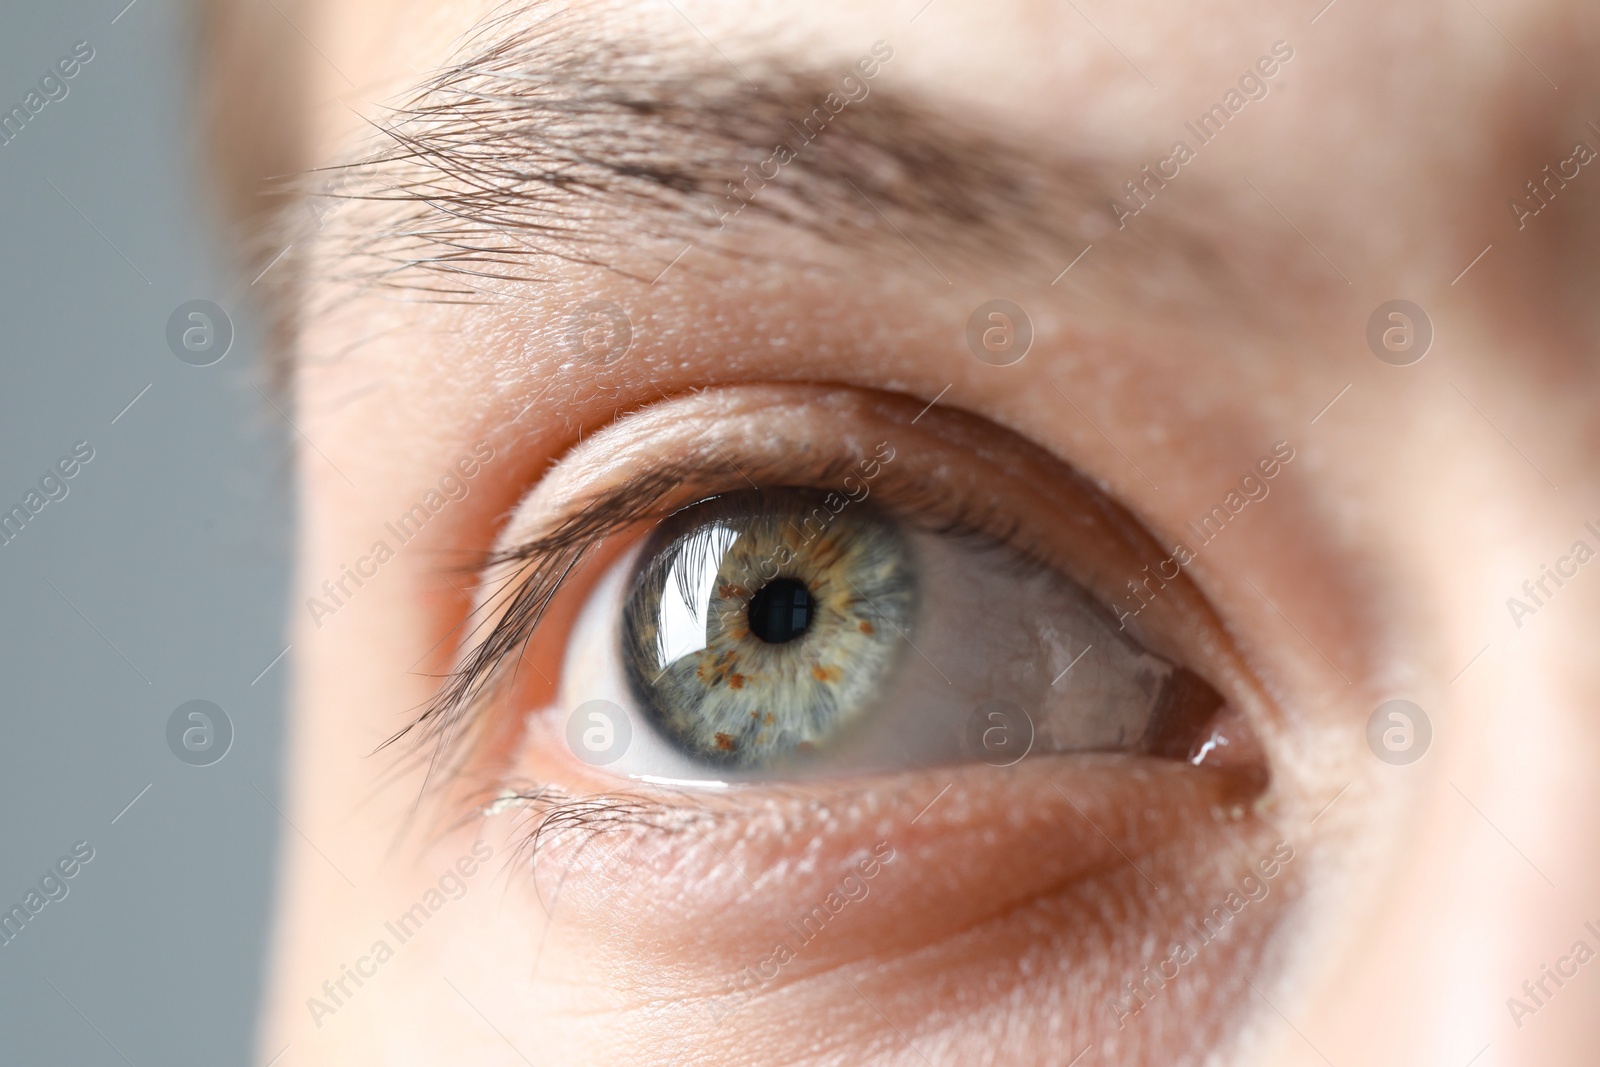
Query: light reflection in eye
point(745, 640)
point(760, 689)
point(680, 625)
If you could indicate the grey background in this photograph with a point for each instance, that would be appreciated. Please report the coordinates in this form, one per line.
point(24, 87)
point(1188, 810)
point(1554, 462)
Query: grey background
point(172, 543)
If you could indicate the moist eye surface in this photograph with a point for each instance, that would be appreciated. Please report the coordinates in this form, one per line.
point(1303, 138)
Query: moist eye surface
point(761, 625)
point(788, 632)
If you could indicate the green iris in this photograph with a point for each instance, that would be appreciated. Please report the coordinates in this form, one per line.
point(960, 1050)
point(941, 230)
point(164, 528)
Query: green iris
point(761, 625)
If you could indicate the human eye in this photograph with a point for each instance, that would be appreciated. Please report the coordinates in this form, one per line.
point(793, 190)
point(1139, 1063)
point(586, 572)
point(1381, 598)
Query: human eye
point(769, 632)
point(860, 590)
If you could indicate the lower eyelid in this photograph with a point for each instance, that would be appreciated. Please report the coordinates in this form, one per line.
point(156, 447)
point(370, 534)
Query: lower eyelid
point(1001, 838)
point(1053, 880)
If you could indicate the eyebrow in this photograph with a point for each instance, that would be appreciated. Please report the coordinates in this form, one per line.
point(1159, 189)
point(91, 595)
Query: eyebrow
point(548, 142)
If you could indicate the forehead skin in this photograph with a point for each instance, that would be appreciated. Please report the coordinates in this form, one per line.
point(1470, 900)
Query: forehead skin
point(1379, 166)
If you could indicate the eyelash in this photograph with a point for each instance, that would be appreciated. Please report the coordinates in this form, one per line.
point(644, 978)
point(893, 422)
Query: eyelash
point(543, 566)
point(520, 583)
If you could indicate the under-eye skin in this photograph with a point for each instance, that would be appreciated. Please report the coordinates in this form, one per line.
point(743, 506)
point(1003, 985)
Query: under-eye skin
point(867, 612)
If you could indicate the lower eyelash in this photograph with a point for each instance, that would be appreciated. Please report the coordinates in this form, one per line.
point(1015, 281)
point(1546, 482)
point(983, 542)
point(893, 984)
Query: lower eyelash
point(575, 823)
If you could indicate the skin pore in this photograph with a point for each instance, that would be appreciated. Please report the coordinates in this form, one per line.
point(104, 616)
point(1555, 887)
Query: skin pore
point(527, 162)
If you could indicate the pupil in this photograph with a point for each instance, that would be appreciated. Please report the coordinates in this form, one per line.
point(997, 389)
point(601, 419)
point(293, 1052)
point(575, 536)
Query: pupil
point(780, 611)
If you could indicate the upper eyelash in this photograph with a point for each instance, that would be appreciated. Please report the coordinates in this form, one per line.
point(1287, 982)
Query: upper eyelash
point(542, 568)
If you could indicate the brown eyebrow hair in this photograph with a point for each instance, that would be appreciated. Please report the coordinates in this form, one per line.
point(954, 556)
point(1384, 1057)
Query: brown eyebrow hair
point(549, 141)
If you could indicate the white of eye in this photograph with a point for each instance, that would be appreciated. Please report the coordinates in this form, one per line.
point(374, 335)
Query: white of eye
point(1004, 660)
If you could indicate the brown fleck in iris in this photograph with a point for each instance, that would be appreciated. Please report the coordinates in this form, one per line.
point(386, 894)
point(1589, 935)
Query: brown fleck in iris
point(865, 626)
point(726, 742)
point(829, 551)
point(717, 670)
point(826, 674)
point(736, 680)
